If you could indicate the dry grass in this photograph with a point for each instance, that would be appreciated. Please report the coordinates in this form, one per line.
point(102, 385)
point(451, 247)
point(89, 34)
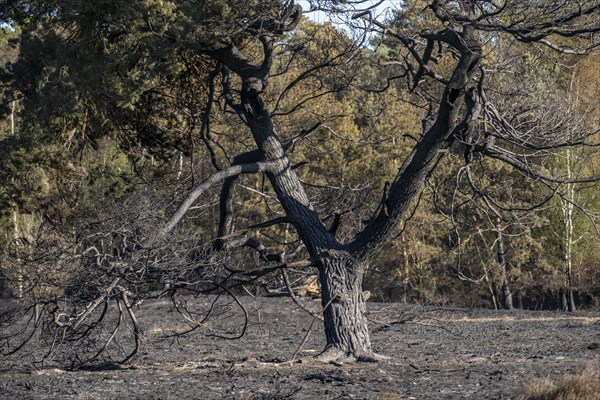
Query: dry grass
point(585, 320)
point(582, 386)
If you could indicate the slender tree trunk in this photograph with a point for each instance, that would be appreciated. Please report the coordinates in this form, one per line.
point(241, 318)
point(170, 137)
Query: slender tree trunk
point(507, 302)
point(179, 164)
point(19, 271)
point(406, 271)
point(519, 298)
point(19, 293)
point(13, 109)
point(563, 299)
point(484, 264)
point(572, 306)
point(568, 302)
point(491, 289)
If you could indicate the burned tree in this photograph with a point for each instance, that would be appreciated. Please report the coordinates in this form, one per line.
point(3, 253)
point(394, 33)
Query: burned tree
point(456, 114)
point(460, 107)
point(442, 63)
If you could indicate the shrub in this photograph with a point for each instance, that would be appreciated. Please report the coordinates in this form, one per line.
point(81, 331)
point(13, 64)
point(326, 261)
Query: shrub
point(582, 386)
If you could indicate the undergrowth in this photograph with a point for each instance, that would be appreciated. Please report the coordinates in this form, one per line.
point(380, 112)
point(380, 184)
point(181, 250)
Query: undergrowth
point(582, 386)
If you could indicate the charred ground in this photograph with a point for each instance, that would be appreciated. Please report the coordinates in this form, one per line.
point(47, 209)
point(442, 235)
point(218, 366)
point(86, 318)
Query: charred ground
point(435, 353)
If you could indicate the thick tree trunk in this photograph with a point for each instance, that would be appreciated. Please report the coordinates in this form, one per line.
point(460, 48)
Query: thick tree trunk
point(346, 328)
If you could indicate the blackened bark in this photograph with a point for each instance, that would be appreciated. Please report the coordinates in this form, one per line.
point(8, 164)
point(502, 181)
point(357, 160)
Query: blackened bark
point(346, 328)
point(423, 158)
point(226, 199)
point(563, 299)
point(567, 297)
point(284, 180)
point(340, 274)
point(341, 268)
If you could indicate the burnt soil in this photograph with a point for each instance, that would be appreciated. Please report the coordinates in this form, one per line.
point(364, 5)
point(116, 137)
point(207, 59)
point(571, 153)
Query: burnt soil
point(436, 353)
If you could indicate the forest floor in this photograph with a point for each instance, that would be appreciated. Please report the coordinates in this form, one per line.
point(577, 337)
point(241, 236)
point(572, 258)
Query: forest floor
point(436, 353)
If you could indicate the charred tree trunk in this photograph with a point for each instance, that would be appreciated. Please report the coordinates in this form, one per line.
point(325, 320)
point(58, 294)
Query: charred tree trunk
point(340, 273)
point(519, 298)
point(346, 328)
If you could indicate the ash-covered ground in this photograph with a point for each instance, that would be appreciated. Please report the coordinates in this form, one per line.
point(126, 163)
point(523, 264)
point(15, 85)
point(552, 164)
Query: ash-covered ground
point(435, 353)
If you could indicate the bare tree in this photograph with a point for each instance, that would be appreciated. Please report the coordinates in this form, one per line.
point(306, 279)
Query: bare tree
point(459, 30)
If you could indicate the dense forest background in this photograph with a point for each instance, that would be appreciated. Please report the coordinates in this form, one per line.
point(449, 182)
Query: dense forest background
point(100, 139)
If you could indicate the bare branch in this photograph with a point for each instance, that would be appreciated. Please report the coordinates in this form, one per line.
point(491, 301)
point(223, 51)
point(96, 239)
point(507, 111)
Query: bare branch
point(220, 176)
